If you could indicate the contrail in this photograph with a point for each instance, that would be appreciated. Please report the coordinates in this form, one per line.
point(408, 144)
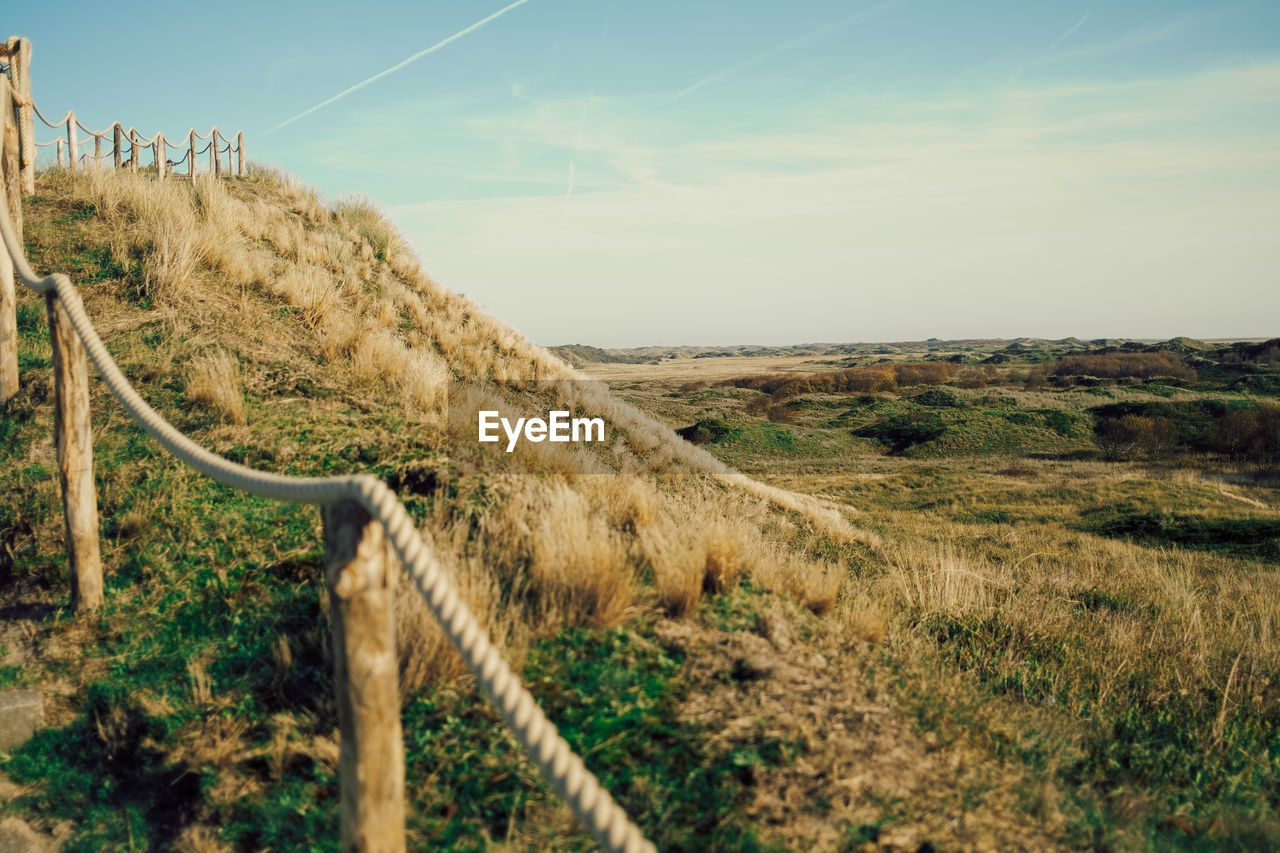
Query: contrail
point(1067, 34)
point(795, 42)
point(477, 25)
point(1059, 40)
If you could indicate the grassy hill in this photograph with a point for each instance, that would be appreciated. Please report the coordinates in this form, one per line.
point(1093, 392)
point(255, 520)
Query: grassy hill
point(304, 338)
point(879, 659)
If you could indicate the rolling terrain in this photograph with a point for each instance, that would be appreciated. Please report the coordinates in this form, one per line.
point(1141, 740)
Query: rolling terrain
point(941, 608)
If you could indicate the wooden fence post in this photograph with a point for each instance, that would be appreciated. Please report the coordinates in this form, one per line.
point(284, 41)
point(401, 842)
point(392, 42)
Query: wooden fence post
point(134, 156)
point(161, 152)
point(360, 569)
point(73, 438)
point(61, 145)
point(20, 73)
point(215, 156)
point(240, 153)
point(117, 140)
point(10, 160)
point(97, 150)
point(73, 143)
point(191, 155)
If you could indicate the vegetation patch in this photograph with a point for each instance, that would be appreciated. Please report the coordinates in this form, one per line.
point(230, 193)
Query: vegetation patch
point(707, 431)
point(1256, 538)
point(903, 432)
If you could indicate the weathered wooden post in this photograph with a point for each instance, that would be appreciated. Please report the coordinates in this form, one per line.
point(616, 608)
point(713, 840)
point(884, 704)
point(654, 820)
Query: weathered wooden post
point(191, 155)
point(215, 156)
point(134, 156)
point(73, 144)
point(240, 153)
point(73, 438)
point(360, 569)
point(10, 164)
point(20, 73)
point(161, 153)
point(97, 151)
point(117, 140)
point(60, 160)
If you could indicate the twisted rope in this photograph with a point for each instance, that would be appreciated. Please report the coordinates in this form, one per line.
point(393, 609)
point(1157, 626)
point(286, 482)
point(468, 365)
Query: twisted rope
point(142, 140)
point(559, 765)
point(180, 144)
point(46, 121)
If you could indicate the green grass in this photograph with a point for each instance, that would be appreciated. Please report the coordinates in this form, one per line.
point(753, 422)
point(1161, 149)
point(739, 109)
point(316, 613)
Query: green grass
point(1134, 731)
point(614, 695)
point(1256, 538)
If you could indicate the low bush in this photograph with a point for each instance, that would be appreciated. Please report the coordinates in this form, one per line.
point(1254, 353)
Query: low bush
point(1131, 435)
point(905, 431)
point(1252, 434)
point(706, 431)
point(937, 398)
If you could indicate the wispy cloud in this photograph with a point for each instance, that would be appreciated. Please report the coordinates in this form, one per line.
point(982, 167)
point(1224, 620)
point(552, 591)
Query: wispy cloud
point(1139, 38)
point(419, 55)
point(791, 44)
point(1129, 195)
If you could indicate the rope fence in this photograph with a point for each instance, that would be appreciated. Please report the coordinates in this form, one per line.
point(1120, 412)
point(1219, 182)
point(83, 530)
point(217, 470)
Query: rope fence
point(70, 157)
point(364, 523)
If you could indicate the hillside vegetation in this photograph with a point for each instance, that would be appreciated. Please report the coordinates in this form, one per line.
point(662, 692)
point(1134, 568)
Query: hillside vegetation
point(1094, 553)
point(934, 617)
point(303, 337)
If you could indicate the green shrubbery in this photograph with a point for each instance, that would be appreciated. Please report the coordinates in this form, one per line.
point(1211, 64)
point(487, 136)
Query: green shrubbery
point(706, 431)
point(902, 432)
point(1239, 431)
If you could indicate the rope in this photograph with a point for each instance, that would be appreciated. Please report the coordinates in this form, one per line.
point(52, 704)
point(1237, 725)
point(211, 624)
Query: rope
point(180, 144)
point(141, 140)
point(560, 766)
point(179, 162)
point(46, 121)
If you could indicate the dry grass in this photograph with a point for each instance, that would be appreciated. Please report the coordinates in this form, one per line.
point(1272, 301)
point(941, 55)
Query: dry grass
point(581, 534)
point(214, 380)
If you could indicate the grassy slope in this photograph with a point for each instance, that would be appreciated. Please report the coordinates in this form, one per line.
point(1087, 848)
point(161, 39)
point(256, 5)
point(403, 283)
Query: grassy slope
point(195, 708)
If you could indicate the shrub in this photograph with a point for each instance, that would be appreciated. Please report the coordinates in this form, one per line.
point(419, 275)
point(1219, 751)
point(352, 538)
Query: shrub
point(706, 431)
point(852, 380)
point(1133, 434)
point(1194, 420)
point(1252, 434)
point(1116, 365)
point(1063, 423)
point(905, 431)
point(938, 398)
point(782, 413)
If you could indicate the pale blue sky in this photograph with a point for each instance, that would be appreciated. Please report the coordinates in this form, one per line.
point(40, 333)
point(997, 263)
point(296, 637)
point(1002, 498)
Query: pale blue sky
point(627, 173)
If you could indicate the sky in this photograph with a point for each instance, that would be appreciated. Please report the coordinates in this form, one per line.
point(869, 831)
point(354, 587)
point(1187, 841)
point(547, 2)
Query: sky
point(624, 173)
